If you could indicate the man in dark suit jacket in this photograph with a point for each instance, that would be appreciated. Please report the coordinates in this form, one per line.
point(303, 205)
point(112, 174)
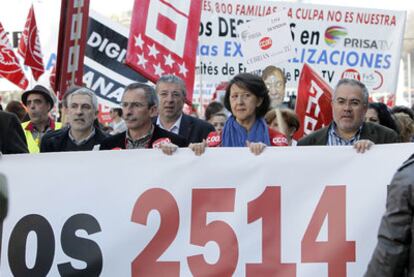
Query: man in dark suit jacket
point(139, 104)
point(81, 134)
point(12, 138)
point(120, 141)
point(349, 106)
point(171, 93)
point(376, 133)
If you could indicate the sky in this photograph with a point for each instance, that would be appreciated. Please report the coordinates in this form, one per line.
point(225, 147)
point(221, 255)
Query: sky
point(125, 5)
point(14, 13)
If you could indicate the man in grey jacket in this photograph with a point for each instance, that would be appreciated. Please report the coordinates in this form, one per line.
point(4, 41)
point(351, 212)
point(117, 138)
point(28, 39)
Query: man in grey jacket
point(393, 255)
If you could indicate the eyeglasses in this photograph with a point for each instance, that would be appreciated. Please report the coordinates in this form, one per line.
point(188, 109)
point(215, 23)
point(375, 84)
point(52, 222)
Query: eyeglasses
point(133, 105)
point(353, 103)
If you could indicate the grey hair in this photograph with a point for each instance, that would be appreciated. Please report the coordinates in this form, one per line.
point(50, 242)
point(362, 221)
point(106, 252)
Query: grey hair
point(84, 91)
point(169, 78)
point(150, 94)
point(355, 83)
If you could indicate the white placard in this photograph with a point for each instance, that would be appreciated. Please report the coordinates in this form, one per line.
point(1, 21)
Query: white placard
point(266, 41)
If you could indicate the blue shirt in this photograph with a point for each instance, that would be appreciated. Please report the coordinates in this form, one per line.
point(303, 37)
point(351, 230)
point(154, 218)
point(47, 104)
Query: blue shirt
point(335, 139)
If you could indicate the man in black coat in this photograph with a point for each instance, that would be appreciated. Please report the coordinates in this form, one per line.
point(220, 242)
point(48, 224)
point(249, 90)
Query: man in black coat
point(171, 93)
point(81, 134)
point(12, 138)
point(139, 105)
point(393, 255)
point(349, 106)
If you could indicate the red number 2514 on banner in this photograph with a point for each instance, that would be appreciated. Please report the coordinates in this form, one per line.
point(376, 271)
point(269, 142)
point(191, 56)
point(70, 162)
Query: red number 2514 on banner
point(266, 207)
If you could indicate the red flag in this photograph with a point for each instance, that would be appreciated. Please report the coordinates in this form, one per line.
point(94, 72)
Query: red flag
point(74, 16)
point(29, 46)
point(163, 39)
point(9, 64)
point(391, 100)
point(313, 104)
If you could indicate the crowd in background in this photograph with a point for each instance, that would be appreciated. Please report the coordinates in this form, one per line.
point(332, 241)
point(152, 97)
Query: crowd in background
point(253, 114)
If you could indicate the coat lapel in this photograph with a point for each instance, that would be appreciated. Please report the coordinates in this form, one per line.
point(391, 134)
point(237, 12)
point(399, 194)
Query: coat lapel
point(185, 126)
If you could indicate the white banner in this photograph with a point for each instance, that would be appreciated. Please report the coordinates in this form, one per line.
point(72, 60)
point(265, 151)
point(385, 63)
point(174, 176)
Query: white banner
point(292, 211)
point(266, 40)
point(336, 41)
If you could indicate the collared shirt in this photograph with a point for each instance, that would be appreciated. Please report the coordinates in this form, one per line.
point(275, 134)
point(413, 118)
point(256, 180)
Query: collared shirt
point(83, 141)
point(174, 128)
point(335, 139)
point(38, 134)
point(142, 142)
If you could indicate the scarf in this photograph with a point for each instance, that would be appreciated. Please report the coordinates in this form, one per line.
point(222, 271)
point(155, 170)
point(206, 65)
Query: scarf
point(234, 135)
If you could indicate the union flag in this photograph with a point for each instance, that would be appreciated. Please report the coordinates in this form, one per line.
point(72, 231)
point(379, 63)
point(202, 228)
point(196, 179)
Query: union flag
point(9, 64)
point(313, 103)
point(29, 46)
point(163, 39)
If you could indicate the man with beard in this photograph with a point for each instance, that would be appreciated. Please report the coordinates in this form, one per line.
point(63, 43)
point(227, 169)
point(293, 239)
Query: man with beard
point(39, 102)
point(81, 134)
point(139, 104)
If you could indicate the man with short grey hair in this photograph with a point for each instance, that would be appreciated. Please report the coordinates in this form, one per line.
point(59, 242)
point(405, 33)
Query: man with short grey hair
point(349, 106)
point(81, 134)
point(171, 93)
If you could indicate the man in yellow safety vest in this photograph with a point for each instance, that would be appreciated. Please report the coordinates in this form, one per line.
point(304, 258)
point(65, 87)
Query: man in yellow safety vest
point(39, 102)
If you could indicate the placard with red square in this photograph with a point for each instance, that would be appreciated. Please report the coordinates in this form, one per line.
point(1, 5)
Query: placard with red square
point(163, 39)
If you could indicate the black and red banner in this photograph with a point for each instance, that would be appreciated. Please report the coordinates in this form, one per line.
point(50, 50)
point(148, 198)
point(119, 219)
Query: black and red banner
point(71, 44)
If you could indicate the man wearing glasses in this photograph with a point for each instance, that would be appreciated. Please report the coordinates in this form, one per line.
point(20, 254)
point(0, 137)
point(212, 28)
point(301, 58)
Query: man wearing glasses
point(139, 104)
point(349, 106)
point(171, 93)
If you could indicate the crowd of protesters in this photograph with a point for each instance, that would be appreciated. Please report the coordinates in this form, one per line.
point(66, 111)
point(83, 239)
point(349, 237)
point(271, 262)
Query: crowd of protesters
point(253, 115)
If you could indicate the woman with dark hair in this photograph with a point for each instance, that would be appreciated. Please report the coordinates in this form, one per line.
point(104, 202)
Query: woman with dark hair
point(403, 109)
point(248, 101)
point(379, 113)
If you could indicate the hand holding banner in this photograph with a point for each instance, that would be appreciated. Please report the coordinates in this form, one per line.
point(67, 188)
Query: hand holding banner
point(313, 104)
point(163, 39)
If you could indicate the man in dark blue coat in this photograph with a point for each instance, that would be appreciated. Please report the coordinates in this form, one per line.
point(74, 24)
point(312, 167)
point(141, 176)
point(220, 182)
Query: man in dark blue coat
point(12, 138)
point(171, 93)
